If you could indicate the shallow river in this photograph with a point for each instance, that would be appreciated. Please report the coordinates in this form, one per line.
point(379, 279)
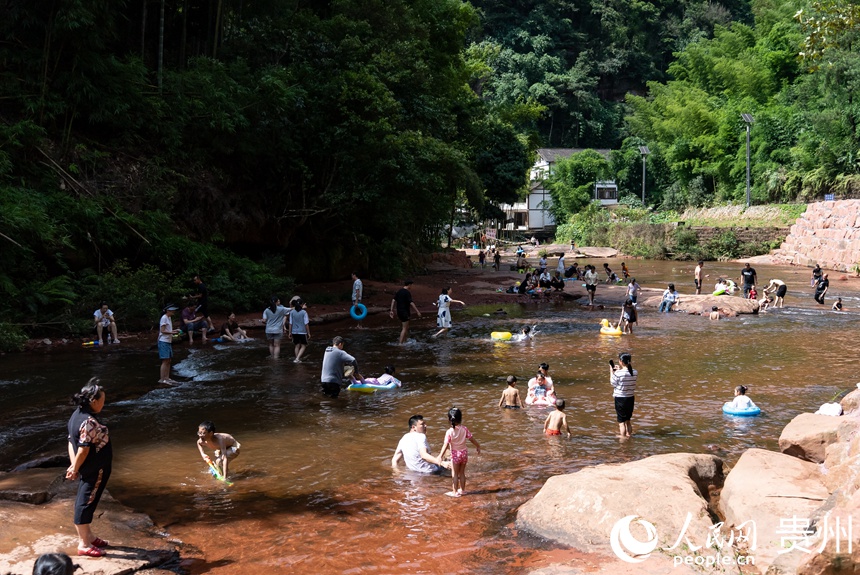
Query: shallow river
point(314, 490)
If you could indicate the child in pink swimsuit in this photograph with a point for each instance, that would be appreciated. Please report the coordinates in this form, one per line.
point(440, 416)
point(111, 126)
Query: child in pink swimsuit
point(455, 438)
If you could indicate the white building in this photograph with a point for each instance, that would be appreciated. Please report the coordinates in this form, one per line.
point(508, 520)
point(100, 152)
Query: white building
point(533, 215)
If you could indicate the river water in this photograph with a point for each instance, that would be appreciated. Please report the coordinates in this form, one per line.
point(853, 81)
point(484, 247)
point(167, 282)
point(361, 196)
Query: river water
point(314, 489)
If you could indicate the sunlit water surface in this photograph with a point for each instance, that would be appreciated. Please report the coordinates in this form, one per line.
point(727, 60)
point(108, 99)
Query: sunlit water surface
point(314, 489)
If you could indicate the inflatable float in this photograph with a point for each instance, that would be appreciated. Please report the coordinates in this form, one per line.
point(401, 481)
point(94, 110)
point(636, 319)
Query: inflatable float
point(358, 311)
point(607, 329)
point(501, 335)
point(372, 385)
point(542, 401)
point(751, 411)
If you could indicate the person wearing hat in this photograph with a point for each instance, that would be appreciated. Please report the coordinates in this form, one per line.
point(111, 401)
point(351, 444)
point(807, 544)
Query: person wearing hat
point(165, 342)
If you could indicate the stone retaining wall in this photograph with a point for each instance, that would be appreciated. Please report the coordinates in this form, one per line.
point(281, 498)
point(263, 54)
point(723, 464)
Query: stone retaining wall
point(827, 234)
point(744, 235)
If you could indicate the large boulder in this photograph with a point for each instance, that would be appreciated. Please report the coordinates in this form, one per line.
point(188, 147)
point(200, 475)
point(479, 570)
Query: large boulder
point(702, 304)
point(832, 552)
point(595, 252)
point(808, 435)
point(851, 402)
point(581, 509)
point(766, 487)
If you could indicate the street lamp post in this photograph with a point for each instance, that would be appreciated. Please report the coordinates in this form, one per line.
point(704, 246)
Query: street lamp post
point(748, 120)
point(644, 151)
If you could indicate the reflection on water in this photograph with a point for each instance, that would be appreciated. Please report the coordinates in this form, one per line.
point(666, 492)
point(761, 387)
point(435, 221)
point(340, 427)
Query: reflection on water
point(314, 489)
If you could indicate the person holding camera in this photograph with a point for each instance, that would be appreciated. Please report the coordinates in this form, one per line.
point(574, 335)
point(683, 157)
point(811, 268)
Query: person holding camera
point(623, 380)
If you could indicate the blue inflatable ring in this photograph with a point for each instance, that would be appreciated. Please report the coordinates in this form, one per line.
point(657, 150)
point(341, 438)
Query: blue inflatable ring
point(358, 311)
point(748, 412)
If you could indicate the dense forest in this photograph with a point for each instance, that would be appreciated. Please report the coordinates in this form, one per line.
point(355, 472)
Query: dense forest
point(251, 141)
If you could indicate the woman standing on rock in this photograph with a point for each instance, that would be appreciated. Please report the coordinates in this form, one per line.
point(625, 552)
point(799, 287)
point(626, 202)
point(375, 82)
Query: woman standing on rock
point(91, 454)
point(623, 379)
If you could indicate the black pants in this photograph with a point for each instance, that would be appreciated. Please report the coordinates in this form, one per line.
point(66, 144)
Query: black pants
point(331, 389)
point(819, 297)
point(90, 491)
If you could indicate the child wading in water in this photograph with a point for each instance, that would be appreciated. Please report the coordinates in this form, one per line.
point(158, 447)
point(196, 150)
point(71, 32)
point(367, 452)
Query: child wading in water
point(455, 438)
point(556, 422)
point(511, 395)
point(224, 445)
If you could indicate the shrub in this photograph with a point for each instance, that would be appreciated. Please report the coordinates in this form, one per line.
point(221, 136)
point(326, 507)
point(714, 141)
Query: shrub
point(725, 245)
point(685, 244)
point(12, 338)
point(639, 239)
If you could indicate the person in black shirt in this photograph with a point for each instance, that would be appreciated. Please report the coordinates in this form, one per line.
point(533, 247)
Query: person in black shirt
point(403, 303)
point(202, 297)
point(821, 288)
point(749, 276)
point(91, 455)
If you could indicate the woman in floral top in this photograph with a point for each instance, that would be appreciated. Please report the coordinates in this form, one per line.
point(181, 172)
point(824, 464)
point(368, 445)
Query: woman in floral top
point(91, 454)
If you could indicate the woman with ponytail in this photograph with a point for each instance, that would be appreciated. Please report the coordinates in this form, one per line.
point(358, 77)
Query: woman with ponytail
point(273, 317)
point(91, 454)
point(623, 380)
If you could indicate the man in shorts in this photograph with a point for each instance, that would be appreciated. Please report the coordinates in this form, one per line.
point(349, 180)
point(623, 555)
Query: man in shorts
point(414, 450)
point(403, 303)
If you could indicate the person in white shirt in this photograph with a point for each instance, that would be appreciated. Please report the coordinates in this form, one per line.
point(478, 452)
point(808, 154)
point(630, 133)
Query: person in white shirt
point(414, 450)
point(741, 401)
point(357, 293)
point(104, 318)
point(670, 298)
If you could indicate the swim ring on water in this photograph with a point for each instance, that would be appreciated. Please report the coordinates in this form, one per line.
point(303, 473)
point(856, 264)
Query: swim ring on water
point(721, 291)
point(607, 329)
point(369, 387)
point(501, 335)
point(358, 311)
point(543, 400)
point(752, 411)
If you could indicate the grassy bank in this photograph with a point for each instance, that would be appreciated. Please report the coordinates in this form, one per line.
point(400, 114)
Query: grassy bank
point(639, 232)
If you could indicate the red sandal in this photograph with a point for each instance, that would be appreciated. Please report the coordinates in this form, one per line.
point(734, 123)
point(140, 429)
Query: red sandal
point(100, 543)
point(91, 552)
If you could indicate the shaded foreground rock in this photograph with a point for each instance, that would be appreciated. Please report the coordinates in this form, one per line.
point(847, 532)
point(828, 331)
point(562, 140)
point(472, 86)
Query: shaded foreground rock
point(581, 509)
point(808, 435)
point(766, 487)
point(27, 531)
point(34, 486)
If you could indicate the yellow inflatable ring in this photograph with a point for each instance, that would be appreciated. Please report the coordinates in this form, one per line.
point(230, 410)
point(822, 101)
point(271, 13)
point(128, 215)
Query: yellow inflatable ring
point(607, 329)
point(501, 335)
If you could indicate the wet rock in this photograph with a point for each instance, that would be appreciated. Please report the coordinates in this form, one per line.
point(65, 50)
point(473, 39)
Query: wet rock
point(57, 460)
point(808, 435)
point(766, 487)
point(34, 486)
point(580, 509)
point(27, 531)
point(702, 304)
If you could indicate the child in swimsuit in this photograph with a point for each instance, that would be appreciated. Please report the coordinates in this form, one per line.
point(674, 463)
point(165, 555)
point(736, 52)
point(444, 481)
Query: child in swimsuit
point(225, 446)
point(511, 395)
point(455, 438)
point(556, 422)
